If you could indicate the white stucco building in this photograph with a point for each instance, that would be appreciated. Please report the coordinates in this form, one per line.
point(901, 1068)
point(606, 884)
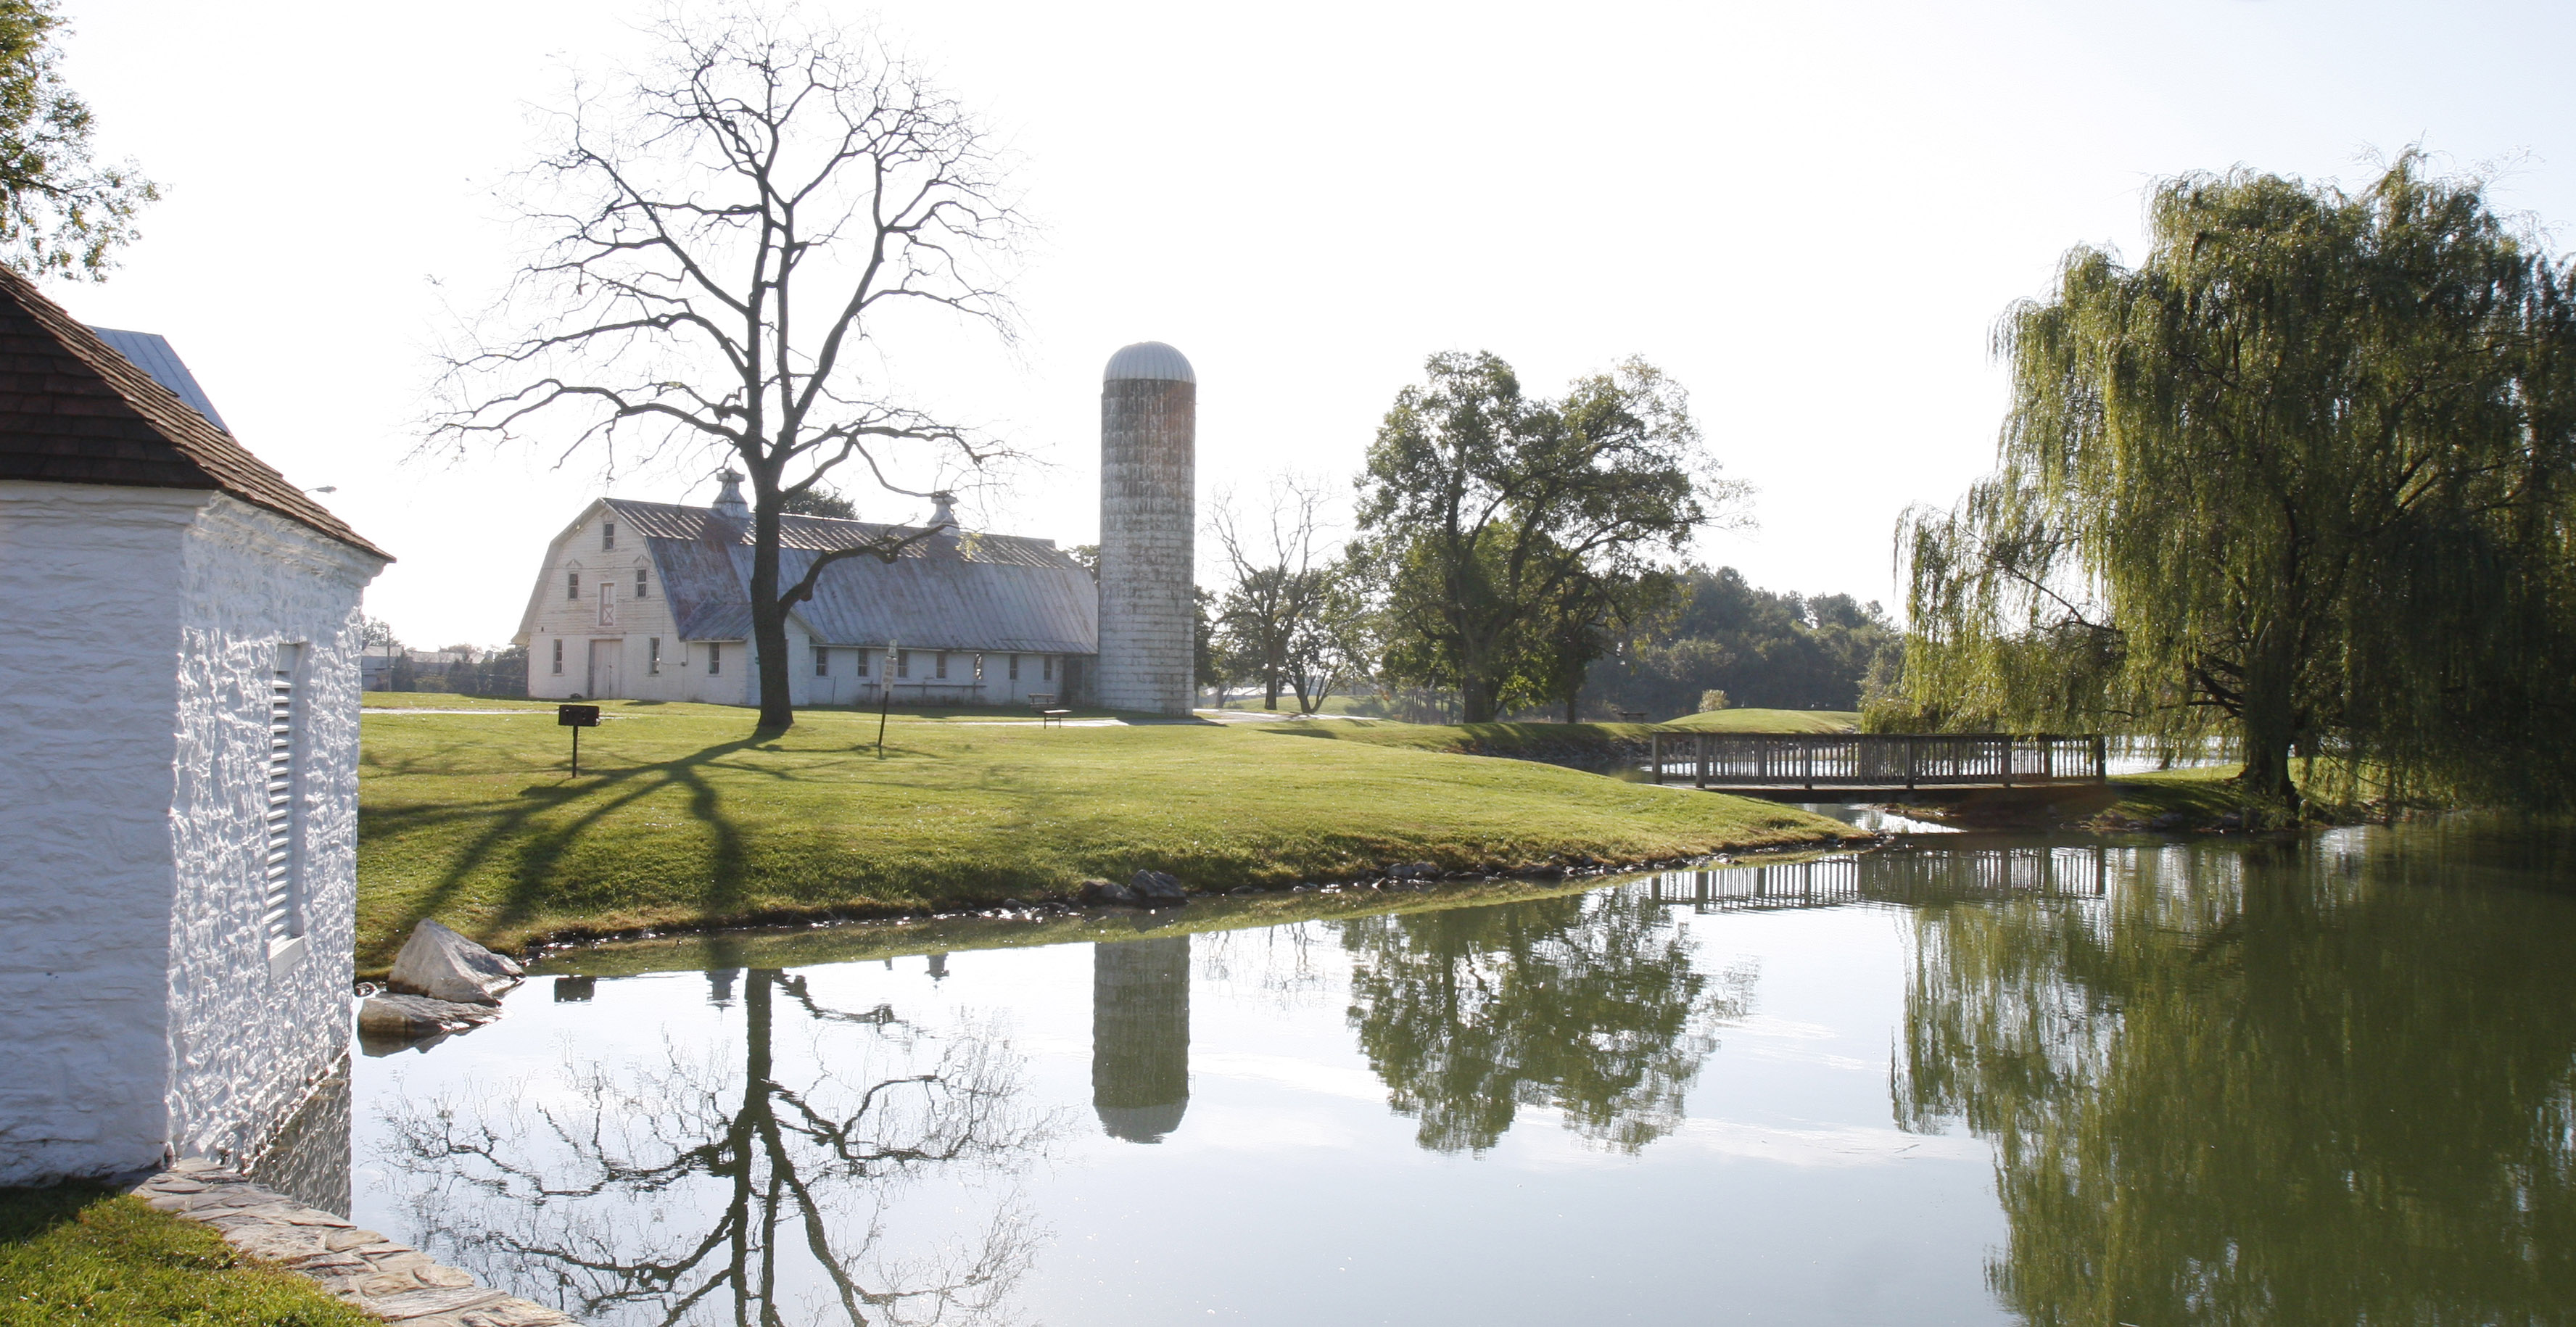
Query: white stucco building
point(650, 601)
point(178, 759)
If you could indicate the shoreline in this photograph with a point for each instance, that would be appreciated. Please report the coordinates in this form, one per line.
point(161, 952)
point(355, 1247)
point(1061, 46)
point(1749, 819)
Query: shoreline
point(1057, 920)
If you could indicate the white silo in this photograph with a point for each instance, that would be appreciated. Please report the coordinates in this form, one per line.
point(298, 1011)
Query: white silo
point(1148, 513)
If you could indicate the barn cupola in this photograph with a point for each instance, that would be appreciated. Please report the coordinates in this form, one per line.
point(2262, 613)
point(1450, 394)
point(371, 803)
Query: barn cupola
point(943, 512)
point(729, 503)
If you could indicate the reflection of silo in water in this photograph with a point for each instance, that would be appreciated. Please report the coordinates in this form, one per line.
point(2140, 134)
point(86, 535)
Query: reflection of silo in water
point(1140, 1036)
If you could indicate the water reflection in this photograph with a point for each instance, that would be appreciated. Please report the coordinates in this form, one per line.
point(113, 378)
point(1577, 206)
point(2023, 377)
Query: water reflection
point(2325, 1081)
point(724, 1186)
point(1140, 1036)
point(1587, 1004)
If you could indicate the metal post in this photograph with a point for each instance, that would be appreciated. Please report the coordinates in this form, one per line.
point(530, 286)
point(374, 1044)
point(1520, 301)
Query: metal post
point(576, 751)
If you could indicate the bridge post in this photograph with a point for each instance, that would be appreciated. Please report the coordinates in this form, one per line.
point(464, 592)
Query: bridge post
point(2101, 761)
point(1655, 754)
point(2048, 759)
point(1701, 750)
point(1807, 763)
point(2010, 742)
point(1912, 747)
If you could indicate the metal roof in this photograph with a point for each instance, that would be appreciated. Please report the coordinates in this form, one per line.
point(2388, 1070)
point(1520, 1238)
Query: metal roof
point(1150, 359)
point(151, 352)
point(948, 592)
point(74, 410)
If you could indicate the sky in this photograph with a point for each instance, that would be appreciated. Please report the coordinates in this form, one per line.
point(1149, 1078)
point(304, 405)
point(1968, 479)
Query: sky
point(1809, 215)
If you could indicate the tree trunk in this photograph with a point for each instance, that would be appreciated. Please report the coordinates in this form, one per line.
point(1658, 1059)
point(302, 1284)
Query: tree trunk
point(768, 619)
point(1475, 700)
point(2267, 725)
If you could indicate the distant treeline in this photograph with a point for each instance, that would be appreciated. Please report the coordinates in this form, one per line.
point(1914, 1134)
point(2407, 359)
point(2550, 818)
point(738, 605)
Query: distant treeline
point(1765, 650)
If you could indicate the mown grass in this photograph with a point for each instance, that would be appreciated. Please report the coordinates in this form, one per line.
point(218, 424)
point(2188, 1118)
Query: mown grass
point(682, 818)
point(1770, 721)
point(82, 1254)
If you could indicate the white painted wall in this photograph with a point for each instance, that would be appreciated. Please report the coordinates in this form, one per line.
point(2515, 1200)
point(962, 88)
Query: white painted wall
point(147, 1016)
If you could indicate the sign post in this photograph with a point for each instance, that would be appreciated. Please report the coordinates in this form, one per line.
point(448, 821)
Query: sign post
point(576, 717)
point(885, 695)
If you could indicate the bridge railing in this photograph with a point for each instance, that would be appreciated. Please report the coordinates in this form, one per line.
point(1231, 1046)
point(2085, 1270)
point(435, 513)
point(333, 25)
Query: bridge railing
point(1873, 760)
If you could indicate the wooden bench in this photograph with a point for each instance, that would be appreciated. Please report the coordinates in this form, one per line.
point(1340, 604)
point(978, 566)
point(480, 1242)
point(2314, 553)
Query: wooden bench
point(1054, 717)
point(1632, 716)
point(1041, 701)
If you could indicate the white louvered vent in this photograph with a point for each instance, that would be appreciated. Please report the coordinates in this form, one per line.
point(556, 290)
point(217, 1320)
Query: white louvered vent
point(279, 908)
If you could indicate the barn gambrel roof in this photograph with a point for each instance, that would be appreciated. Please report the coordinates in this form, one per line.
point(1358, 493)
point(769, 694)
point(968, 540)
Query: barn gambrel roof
point(949, 592)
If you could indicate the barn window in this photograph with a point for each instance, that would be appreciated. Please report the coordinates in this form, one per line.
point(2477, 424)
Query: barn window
point(940, 665)
point(1015, 668)
point(608, 536)
point(281, 911)
point(715, 658)
point(653, 656)
point(558, 656)
point(822, 662)
point(863, 663)
point(640, 584)
point(572, 585)
point(903, 663)
point(1048, 675)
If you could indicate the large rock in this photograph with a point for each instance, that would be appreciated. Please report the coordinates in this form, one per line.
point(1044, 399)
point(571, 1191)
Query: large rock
point(409, 1017)
point(1104, 893)
point(443, 965)
point(1157, 890)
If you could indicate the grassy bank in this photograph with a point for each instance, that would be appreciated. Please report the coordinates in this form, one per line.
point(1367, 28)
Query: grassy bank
point(78, 1254)
point(680, 819)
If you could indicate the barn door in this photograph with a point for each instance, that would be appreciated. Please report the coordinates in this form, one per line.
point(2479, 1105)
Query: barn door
point(603, 668)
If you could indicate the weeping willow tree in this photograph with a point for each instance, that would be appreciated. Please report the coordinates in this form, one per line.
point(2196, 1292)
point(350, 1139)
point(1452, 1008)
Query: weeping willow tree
point(2300, 478)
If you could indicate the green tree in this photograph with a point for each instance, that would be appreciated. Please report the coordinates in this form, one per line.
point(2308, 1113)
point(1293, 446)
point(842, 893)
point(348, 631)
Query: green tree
point(2301, 477)
point(819, 501)
point(1281, 579)
point(1481, 506)
point(62, 213)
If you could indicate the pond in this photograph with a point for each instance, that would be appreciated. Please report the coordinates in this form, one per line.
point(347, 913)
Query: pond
point(2326, 1080)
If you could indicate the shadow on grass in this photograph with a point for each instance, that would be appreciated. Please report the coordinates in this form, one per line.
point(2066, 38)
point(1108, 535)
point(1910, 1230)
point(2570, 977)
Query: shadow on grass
point(540, 847)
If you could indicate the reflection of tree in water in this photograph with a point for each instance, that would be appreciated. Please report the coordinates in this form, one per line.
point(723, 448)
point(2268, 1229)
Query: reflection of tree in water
point(1587, 1004)
point(2281, 1084)
point(693, 1193)
point(1140, 1036)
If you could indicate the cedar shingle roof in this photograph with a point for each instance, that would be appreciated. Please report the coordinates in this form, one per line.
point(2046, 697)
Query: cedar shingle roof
point(73, 411)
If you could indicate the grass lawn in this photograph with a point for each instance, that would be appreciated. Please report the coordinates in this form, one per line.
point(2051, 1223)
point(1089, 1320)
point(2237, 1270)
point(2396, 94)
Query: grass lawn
point(680, 818)
point(80, 1254)
point(1770, 721)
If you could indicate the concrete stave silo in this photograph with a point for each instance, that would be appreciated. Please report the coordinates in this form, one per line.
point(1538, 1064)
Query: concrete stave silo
point(1148, 523)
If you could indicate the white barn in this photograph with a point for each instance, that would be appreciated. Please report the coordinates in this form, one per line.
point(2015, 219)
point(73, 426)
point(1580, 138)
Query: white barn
point(650, 601)
point(178, 756)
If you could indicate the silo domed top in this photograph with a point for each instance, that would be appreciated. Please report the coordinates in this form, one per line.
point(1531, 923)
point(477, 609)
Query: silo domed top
point(1149, 359)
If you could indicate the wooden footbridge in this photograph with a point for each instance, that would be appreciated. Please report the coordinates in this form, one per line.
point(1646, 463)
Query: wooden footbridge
point(1773, 764)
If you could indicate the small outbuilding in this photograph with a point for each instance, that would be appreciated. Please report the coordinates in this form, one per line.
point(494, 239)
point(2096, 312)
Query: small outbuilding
point(178, 760)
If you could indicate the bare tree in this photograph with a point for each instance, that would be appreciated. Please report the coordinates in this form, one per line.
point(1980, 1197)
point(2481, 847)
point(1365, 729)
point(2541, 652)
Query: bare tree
point(731, 237)
point(1278, 561)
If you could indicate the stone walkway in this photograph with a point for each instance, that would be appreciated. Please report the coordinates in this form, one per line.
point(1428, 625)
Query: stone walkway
point(395, 1282)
